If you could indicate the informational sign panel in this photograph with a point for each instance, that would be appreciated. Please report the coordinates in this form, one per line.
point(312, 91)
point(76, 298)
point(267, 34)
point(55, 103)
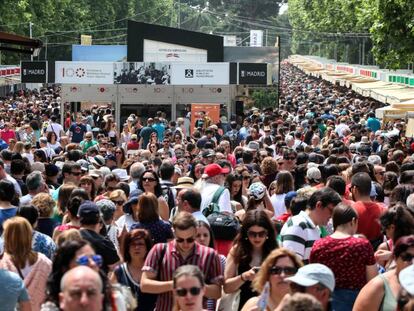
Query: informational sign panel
point(84, 72)
point(256, 37)
point(155, 51)
point(230, 41)
point(251, 73)
point(142, 73)
point(33, 72)
point(99, 53)
point(200, 74)
point(211, 111)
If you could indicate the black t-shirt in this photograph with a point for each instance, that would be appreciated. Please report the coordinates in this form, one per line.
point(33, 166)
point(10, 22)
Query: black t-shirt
point(103, 246)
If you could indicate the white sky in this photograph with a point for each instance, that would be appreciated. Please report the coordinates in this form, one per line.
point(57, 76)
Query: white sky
point(283, 8)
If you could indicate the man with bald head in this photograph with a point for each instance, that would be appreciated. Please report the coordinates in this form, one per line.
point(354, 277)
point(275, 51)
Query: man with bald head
point(81, 289)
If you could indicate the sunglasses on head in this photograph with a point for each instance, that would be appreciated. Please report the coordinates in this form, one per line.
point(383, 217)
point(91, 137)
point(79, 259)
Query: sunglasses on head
point(84, 260)
point(188, 240)
point(182, 292)
point(254, 234)
point(287, 270)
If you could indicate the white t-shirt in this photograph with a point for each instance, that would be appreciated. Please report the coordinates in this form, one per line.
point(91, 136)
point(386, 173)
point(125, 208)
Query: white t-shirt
point(278, 203)
point(207, 193)
point(56, 128)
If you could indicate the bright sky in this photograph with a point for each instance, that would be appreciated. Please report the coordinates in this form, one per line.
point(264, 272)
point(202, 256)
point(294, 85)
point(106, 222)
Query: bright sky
point(283, 8)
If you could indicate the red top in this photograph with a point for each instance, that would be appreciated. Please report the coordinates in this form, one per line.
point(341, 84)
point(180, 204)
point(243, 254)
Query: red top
point(6, 135)
point(347, 258)
point(368, 219)
point(66, 227)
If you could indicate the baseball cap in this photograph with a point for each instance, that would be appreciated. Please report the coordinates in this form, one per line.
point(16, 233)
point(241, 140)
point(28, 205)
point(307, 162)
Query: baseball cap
point(313, 173)
point(107, 208)
point(111, 157)
point(208, 153)
point(88, 209)
point(313, 274)
point(406, 278)
point(214, 169)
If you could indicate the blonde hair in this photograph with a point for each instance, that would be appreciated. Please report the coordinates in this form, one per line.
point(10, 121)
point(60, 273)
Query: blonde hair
point(263, 275)
point(18, 241)
point(68, 235)
point(116, 194)
point(44, 203)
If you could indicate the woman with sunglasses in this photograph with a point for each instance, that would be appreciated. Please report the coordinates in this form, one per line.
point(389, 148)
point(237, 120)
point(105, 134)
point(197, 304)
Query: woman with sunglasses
point(244, 172)
point(120, 156)
point(255, 241)
point(382, 291)
point(119, 198)
point(136, 245)
point(280, 264)
point(350, 258)
point(32, 267)
point(150, 182)
point(68, 256)
point(189, 288)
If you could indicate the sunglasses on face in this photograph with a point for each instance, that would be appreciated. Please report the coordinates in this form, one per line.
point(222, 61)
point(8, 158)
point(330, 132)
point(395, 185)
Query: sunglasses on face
point(84, 260)
point(76, 173)
point(188, 240)
point(287, 270)
point(182, 292)
point(148, 179)
point(120, 202)
point(254, 234)
point(407, 257)
point(289, 158)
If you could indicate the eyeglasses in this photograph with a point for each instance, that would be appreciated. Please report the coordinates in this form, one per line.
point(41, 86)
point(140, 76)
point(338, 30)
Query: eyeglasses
point(120, 202)
point(182, 292)
point(76, 173)
point(84, 260)
point(287, 270)
point(254, 234)
point(148, 179)
point(137, 243)
point(188, 240)
point(407, 257)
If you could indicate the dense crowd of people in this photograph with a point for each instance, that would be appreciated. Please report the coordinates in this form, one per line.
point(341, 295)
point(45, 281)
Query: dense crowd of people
point(307, 206)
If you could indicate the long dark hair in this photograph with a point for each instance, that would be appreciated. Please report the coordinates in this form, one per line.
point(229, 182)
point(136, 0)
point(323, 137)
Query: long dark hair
point(243, 247)
point(230, 179)
point(157, 188)
point(401, 218)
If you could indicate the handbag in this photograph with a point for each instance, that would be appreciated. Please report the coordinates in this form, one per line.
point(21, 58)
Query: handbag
point(229, 302)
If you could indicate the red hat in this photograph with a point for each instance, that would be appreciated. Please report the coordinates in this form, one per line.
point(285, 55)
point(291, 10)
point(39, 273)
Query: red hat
point(214, 169)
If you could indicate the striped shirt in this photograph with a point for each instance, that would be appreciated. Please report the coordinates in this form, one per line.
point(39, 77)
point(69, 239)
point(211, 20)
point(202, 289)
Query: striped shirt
point(299, 233)
point(204, 257)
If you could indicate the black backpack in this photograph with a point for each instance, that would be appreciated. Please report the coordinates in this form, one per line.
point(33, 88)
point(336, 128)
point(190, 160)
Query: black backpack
point(224, 226)
point(168, 195)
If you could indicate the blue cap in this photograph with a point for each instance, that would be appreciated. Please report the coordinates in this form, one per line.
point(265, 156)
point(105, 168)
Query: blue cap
point(289, 197)
point(87, 209)
point(111, 157)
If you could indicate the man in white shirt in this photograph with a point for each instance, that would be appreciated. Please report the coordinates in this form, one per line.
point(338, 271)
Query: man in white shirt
point(214, 176)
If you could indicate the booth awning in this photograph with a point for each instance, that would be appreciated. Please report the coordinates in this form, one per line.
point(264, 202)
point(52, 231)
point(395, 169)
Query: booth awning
point(20, 44)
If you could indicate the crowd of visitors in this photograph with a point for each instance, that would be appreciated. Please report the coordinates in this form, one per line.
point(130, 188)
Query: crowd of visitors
point(307, 206)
